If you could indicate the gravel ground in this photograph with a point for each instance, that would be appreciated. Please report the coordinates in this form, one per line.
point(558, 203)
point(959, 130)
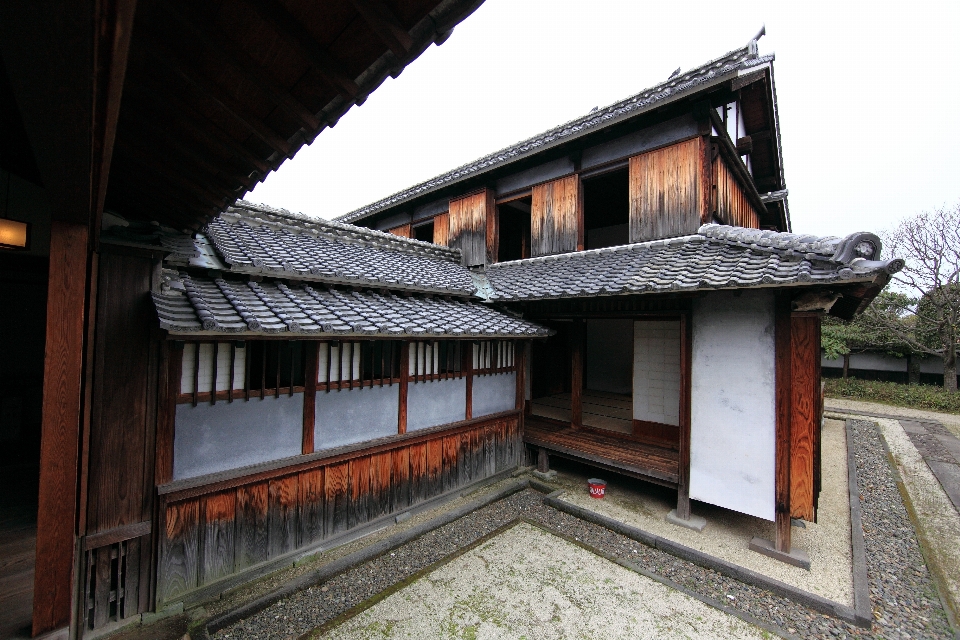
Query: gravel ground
point(905, 603)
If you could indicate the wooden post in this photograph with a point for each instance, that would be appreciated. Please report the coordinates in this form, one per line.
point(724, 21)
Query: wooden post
point(310, 396)
point(576, 374)
point(543, 461)
point(519, 361)
point(846, 365)
point(171, 359)
point(467, 368)
point(60, 430)
point(404, 380)
point(686, 367)
point(784, 401)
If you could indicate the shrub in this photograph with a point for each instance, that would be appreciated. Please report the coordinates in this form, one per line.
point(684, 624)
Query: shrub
point(914, 396)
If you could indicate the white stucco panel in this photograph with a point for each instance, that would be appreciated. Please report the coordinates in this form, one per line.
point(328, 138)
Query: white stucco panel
point(733, 412)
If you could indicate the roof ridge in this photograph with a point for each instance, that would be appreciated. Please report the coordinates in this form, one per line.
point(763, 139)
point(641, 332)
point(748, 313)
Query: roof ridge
point(737, 57)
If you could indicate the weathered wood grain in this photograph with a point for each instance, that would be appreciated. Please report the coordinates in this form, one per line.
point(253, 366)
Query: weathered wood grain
point(451, 451)
point(282, 515)
point(441, 229)
point(336, 486)
point(555, 217)
point(467, 226)
point(404, 231)
point(252, 530)
point(179, 552)
point(731, 204)
point(380, 473)
point(434, 467)
point(359, 510)
point(311, 506)
point(804, 419)
point(418, 473)
point(400, 479)
point(219, 513)
point(784, 401)
point(666, 195)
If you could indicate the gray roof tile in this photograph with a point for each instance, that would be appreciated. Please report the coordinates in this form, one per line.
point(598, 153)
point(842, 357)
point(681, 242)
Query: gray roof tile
point(717, 257)
point(202, 305)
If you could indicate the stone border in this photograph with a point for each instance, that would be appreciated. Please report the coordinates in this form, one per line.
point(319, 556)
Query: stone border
point(861, 580)
point(358, 557)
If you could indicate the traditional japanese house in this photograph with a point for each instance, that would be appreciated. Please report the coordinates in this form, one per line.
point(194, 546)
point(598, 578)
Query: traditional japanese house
point(653, 237)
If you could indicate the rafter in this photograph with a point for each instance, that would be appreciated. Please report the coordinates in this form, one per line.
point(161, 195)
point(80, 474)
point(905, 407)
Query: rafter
point(228, 51)
point(385, 24)
point(291, 29)
point(169, 177)
point(209, 89)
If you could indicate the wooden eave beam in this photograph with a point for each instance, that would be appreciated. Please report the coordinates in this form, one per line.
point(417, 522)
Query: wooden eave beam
point(229, 52)
point(161, 156)
point(157, 169)
point(290, 28)
point(171, 213)
point(207, 88)
point(385, 24)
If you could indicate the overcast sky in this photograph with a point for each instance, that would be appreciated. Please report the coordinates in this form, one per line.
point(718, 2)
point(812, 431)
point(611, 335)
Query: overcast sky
point(867, 92)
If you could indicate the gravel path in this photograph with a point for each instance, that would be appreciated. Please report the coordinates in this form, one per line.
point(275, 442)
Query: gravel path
point(904, 600)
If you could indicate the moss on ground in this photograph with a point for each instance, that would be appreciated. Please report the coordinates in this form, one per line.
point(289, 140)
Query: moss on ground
point(911, 396)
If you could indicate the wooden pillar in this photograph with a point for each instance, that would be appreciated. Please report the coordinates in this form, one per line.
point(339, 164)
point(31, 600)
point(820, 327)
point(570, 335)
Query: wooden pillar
point(576, 374)
point(466, 366)
point(310, 396)
point(520, 362)
point(404, 386)
point(171, 367)
point(686, 367)
point(784, 402)
point(543, 461)
point(60, 430)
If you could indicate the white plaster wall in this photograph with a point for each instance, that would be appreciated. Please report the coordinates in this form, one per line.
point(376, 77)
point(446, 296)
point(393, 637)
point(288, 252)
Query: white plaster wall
point(733, 408)
point(656, 371)
point(883, 362)
point(205, 376)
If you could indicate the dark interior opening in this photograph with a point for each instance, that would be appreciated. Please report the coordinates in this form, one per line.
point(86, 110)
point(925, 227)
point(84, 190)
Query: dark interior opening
point(23, 297)
point(550, 362)
point(424, 232)
point(514, 229)
point(606, 209)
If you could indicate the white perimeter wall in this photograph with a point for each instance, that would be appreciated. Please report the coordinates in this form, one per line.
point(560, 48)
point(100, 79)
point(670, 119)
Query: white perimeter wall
point(733, 412)
point(656, 371)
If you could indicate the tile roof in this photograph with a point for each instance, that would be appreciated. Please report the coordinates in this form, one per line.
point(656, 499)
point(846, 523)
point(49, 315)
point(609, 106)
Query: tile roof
point(202, 305)
point(717, 257)
point(668, 90)
point(255, 239)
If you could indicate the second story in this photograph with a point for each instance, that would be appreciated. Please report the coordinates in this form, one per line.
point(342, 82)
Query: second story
point(701, 147)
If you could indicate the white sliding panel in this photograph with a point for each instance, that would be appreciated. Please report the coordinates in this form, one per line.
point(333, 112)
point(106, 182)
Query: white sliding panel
point(656, 371)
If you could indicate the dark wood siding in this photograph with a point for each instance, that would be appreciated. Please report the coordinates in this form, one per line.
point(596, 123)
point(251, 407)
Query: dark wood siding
point(555, 218)
point(731, 205)
point(467, 230)
point(666, 191)
point(219, 530)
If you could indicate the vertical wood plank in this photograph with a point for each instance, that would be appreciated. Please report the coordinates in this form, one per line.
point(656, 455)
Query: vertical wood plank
point(686, 369)
point(311, 506)
point(380, 466)
point(133, 580)
point(464, 460)
point(467, 227)
point(451, 451)
point(219, 511)
point(400, 479)
point(336, 486)
point(101, 592)
point(576, 373)
point(492, 227)
point(60, 426)
point(477, 441)
point(784, 398)
point(418, 473)
point(732, 206)
point(804, 386)
point(441, 229)
point(252, 532)
point(434, 467)
point(309, 395)
point(359, 474)
point(282, 510)
point(179, 571)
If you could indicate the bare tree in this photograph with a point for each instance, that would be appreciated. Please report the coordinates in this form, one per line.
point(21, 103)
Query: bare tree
point(925, 313)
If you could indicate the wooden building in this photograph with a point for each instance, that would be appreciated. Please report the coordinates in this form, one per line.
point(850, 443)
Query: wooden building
point(653, 237)
point(157, 115)
point(206, 388)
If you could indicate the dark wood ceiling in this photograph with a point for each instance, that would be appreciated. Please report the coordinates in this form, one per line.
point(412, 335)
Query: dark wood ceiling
point(219, 94)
